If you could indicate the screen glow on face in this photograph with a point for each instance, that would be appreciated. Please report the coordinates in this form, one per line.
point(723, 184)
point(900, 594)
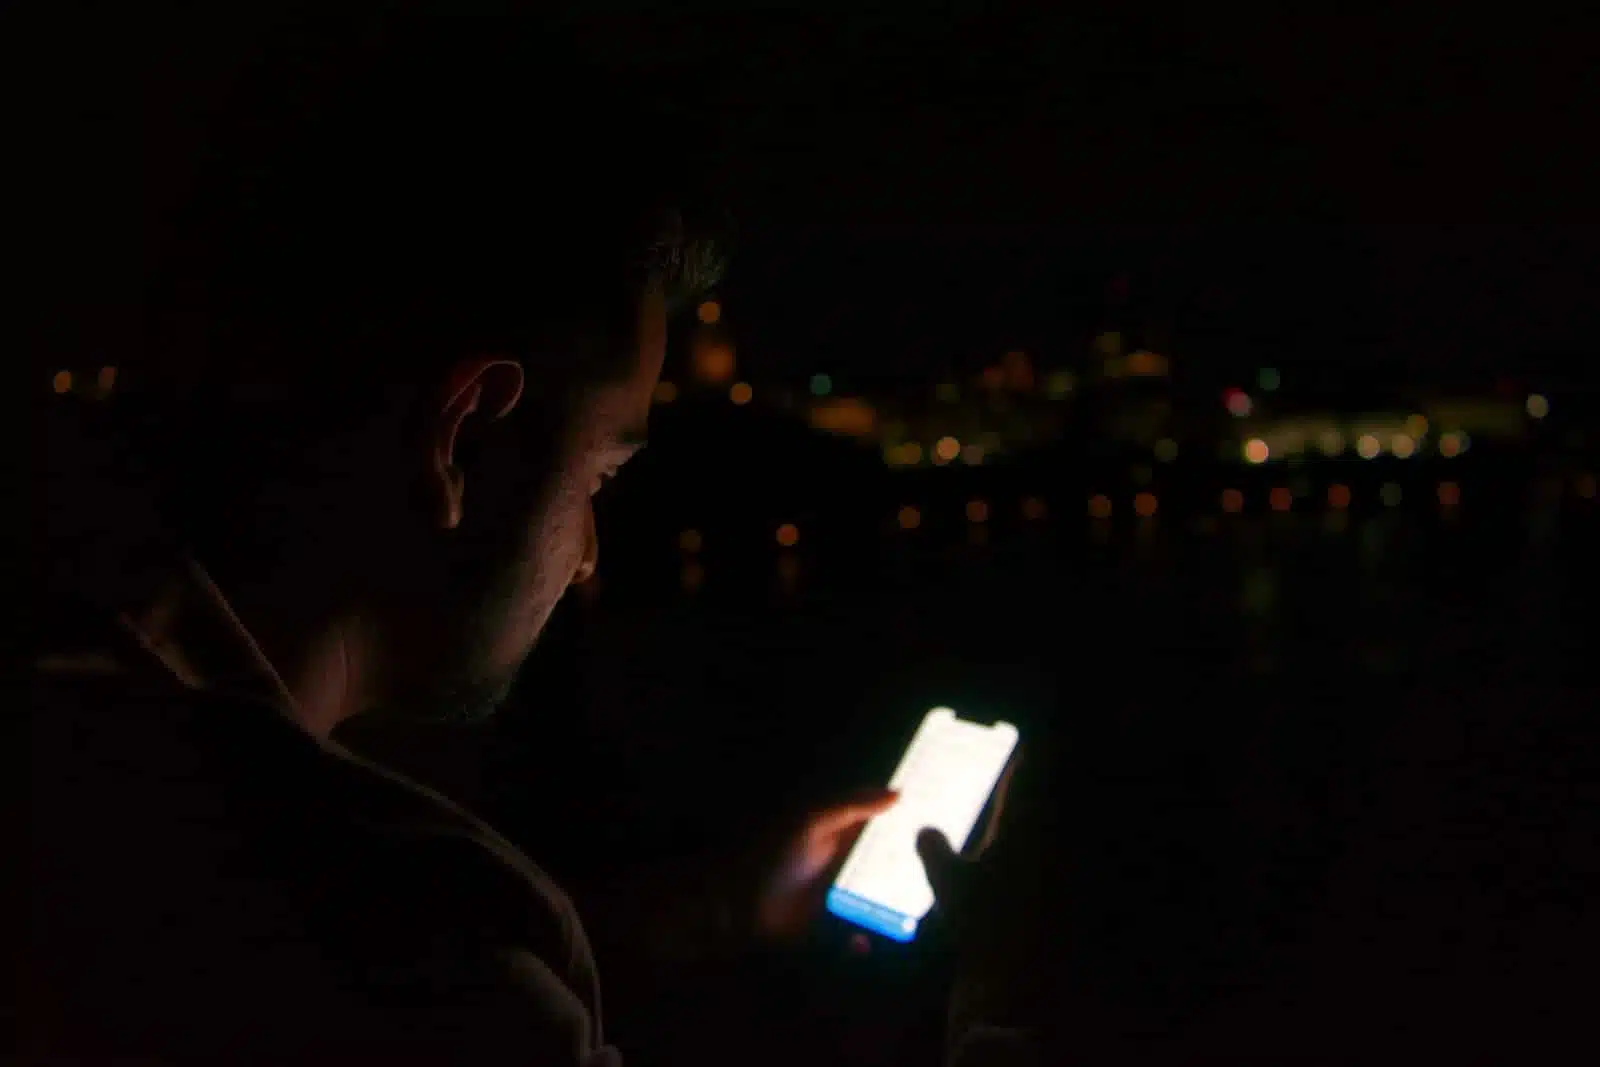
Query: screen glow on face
point(944, 781)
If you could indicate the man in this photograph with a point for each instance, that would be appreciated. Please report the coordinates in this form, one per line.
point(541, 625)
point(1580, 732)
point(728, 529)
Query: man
point(409, 327)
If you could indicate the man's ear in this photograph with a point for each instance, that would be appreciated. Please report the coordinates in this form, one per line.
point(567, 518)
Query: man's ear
point(483, 386)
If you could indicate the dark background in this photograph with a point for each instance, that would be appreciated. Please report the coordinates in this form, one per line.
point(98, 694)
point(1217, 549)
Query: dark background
point(1311, 781)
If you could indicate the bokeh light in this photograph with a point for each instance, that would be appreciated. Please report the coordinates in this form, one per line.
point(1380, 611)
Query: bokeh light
point(821, 385)
point(1417, 425)
point(909, 518)
point(1280, 499)
point(1269, 379)
point(1449, 494)
point(1099, 506)
point(690, 541)
point(1232, 501)
point(1538, 406)
point(710, 312)
point(1402, 446)
point(1390, 494)
point(692, 576)
point(741, 393)
point(1585, 486)
point(1338, 497)
point(1145, 504)
point(1256, 451)
point(107, 380)
point(977, 511)
point(1450, 445)
point(1033, 508)
point(946, 449)
point(1166, 450)
point(788, 535)
point(62, 382)
point(1367, 446)
point(1331, 442)
point(1239, 404)
point(972, 455)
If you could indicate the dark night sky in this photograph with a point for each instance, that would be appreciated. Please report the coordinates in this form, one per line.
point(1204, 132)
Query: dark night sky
point(917, 188)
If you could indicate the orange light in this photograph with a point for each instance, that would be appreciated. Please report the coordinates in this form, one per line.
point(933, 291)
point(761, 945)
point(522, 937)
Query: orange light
point(972, 455)
point(1280, 499)
point(665, 393)
point(1232, 501)
point(910, 518)
point(994, 377)
point(1033, 508)
point(692, 576)
point(1144, 505)
point(107, 379)
point(711, 360)
point(1449, 494)
point(1099, 506)
point(1256, 450)
point(788, 535)
point(977, 511)
point(1338, 497)
point(62, 382)
point(710, 312)
point(1367, 446)
point(946, 449)
point(690, 540)
point(741, 393)
point(1450, 445)
point(1402, 445)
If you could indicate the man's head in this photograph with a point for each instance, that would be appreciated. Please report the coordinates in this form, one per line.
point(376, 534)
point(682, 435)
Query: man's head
point(410, 326)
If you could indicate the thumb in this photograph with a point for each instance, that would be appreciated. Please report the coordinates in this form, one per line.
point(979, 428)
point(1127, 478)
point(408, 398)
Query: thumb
point(939, 862)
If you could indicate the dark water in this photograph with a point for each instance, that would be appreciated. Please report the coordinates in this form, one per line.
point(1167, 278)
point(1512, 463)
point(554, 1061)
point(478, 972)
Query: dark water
point(1331, 757)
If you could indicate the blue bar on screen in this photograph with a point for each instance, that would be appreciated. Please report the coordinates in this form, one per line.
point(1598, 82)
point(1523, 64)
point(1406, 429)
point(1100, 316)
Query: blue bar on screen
point(875, 917)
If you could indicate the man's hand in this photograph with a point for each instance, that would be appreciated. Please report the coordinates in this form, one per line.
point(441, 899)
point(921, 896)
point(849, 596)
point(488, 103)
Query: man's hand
point(792, 895)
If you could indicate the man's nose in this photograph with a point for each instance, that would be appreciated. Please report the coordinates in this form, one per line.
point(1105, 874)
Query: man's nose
point(591, 548)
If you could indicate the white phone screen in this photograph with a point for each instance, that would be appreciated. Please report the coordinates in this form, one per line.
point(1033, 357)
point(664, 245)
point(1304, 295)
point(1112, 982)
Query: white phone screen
point(944, 780)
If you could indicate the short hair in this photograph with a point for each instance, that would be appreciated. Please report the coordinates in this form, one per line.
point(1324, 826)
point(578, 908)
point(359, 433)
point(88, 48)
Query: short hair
point(396, 186)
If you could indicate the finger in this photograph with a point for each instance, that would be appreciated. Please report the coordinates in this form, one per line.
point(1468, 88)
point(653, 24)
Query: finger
point(997, 806)
point(939, 861)
point(848, 816)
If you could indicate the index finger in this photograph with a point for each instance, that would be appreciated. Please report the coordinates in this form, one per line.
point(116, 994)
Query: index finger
point(847, 816)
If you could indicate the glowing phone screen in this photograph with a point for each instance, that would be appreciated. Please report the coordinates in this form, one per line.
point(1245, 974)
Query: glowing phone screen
point(944, 781)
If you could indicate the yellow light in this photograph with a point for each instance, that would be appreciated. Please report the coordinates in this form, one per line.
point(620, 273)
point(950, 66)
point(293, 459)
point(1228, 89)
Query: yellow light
point(1338, 497)
point(1232, 501)
point(1280, 499)
point(910, 453)
point(690, 540)
point(741, 393)
point(1033, 508)
point(977, 511)
point(1538, 406)
point(62, 382)
point(1417, 425)
point(1256, 450)
point(1402, 446)
point(1099, 506)
point(788, 535)
point(1332, 442)
point(1144, 505)
point(1449, 494)
point(1166, 450)
point(972, 455)
point(909, 518)
point(946, 449)
point(1367, 446)
point(107, 380)
point(710, 312)
point(665, 393)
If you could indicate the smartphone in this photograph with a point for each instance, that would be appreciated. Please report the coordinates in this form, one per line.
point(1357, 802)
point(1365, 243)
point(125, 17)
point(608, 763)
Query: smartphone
point(944, 780)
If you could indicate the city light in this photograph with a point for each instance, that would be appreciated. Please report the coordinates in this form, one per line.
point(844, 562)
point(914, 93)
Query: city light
point(1449, 494)
point(740, 393)
point(821, 385)
point(1280, 499)
point(665, 393)
point(710, 312)
point(1238, 403)
point(1538, 406)
point(788, 535)
point(1331, 442)
point(1450, 444)
point(1033, 508)
point(1232, 501)
point(1402, 446)
point(1166, 450)
point(1059, 384)
point(1144, 505)
point(692, 576)
point(1256, 451)
point(946, 449)
point(977, 511)
point(1417, 425)
point(1585, 486)
point(909, 518)
point(972, 455)
point(1269, 379)
point(1367, 446)
point(107, 380)
point(1099, 506)
point(1338, 497)
point(690, 541)
point(62, 382)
